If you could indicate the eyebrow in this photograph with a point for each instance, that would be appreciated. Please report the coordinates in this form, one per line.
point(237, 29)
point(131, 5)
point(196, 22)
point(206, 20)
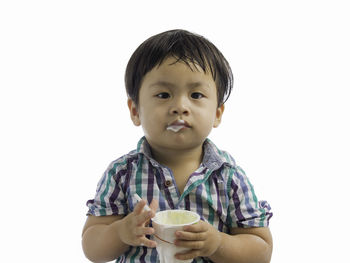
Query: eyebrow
point(171, 85)
point(162, 83)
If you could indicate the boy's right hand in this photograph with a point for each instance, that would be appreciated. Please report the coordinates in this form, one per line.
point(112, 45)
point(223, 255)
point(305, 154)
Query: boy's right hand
point(134, 227)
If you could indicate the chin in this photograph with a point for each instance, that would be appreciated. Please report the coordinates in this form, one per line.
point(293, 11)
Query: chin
point(184, 143)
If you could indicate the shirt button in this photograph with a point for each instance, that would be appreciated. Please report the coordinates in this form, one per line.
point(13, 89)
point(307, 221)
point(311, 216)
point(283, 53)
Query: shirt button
point(168, 183)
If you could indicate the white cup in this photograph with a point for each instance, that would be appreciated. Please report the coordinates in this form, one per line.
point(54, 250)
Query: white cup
point(165, 224)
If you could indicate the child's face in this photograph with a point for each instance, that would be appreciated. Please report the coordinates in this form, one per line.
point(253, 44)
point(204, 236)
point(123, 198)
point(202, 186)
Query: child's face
point(173, 92)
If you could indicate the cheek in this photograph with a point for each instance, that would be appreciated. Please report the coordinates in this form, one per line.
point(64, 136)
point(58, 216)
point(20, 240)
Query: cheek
point(206, 119)
point(150, 118)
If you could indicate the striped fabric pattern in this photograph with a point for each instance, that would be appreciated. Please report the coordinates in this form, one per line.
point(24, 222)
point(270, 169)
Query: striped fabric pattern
point(219, 191)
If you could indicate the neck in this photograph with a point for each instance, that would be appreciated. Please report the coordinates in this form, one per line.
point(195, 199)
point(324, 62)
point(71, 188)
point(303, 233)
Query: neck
point(175, 158)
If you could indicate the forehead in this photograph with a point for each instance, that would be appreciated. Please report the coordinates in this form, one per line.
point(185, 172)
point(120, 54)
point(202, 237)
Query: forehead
point(185, 63)
point(176, 71)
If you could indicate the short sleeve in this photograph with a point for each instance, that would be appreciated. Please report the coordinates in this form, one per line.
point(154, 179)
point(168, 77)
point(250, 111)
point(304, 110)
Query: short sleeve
point(110, 197)
point(244, 208)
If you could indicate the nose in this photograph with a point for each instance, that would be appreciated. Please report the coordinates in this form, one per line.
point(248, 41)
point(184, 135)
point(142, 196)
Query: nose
point(179, 107)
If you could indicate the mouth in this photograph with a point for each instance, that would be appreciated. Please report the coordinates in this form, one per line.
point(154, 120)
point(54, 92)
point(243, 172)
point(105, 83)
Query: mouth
point(177, 125)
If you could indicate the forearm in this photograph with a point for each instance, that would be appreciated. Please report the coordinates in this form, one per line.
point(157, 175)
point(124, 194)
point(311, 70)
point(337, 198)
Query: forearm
point(242, 248)
point(101, 243)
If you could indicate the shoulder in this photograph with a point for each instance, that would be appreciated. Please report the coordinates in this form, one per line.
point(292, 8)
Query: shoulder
point(122, 164)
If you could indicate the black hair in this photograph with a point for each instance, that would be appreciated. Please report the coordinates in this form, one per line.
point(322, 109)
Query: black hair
point(185, 46)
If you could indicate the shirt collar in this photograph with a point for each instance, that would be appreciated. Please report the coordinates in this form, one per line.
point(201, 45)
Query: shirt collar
point(144, 148)
point(213, 158)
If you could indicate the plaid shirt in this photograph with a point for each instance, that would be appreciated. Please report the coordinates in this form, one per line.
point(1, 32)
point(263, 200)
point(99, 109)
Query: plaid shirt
point(218, 191)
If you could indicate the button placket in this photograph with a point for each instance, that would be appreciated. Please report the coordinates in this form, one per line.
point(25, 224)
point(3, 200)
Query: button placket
point(168, 183)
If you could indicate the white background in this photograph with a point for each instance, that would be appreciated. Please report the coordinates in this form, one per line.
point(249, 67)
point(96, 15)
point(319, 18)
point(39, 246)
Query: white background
point(64, 116)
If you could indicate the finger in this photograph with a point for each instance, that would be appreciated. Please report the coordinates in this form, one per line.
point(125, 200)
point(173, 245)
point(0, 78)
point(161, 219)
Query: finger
point(154, 205)
point(139, 207)
point(201, 226)
point(147, 242)
point(188, 255)
point(184, 235)
point(141, 231)
point(189, 244)
point(144, 217)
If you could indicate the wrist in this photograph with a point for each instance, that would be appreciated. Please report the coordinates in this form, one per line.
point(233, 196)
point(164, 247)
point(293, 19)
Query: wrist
point(117, 229)
point(220, 244)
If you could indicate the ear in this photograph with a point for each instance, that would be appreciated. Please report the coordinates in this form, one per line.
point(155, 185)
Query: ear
point(134, 113)
point(218, 116)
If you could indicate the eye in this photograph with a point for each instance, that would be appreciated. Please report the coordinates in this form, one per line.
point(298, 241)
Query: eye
point(163, 95)
point(197, 95)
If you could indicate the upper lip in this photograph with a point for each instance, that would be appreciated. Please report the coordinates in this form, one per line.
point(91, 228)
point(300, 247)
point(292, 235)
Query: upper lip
point(179, 123)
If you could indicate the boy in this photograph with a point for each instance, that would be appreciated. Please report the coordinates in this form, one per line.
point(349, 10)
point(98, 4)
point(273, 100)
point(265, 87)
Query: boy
point(177, 83)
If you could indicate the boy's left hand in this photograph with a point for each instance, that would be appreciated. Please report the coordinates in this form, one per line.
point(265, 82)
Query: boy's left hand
point(202, 238)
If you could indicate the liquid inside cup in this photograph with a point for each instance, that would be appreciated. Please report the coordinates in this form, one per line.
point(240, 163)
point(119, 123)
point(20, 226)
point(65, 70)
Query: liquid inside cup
point(176, 217)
